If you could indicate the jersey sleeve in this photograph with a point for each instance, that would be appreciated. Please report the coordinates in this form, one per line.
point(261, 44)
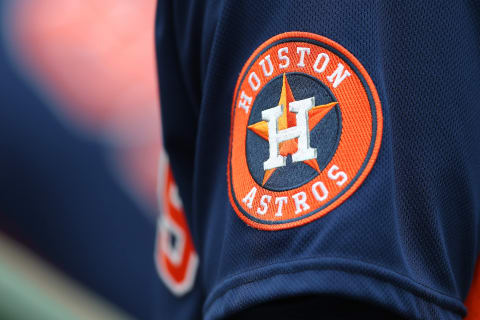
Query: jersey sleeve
point(326, 148)
point(178, 295)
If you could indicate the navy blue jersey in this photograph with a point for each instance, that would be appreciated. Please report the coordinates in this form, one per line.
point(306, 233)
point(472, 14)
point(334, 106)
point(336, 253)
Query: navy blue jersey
point(319, 148)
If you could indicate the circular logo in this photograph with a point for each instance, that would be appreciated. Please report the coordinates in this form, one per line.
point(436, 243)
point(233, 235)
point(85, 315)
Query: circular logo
point(306, 131)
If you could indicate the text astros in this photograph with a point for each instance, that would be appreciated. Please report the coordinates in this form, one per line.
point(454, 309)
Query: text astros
point(317, 193)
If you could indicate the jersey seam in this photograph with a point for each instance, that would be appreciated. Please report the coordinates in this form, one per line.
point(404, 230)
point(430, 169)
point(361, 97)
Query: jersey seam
point(384, 277)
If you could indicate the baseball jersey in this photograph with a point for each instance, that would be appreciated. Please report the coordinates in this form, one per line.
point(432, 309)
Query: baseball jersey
point(325, 148)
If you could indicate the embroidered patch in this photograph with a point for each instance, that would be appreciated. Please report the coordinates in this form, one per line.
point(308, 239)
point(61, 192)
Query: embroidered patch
point(306, 131)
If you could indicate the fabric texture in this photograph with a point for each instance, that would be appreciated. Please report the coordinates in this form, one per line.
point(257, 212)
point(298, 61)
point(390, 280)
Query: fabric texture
point(407, 239)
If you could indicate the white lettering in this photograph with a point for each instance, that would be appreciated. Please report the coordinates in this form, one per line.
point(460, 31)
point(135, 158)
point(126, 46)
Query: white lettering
point(244, 102)
point(315, 192)
point(248, 200)
point(253, 77)
point(335, 176)
point(264, 201)
point(280, 201)
point(270, 66)
point(338, 76)
point(300, 202)
point(284, 58)
point(301, 51)
point(325, 58)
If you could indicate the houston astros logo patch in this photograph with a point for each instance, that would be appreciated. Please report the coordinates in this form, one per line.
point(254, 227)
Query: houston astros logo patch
point(306, 131)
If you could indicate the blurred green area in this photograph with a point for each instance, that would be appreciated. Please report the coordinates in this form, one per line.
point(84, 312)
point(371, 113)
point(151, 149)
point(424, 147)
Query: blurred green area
point(20, 300)
point(32, 289)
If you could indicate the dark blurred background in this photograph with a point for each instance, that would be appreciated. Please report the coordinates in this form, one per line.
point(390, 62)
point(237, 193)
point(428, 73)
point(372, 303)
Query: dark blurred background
point(79, 151)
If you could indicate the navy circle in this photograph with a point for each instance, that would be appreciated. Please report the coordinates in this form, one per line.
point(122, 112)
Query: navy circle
point(324, 137)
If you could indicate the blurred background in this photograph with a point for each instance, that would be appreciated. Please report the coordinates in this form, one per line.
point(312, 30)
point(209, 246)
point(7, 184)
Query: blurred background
point(79, 150)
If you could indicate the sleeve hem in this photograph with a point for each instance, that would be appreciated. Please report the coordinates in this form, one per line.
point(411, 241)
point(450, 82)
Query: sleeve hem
point(332, 276)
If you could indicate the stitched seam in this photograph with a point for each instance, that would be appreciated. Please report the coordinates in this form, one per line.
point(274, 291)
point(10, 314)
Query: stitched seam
point(355, 262)
point(384, 277)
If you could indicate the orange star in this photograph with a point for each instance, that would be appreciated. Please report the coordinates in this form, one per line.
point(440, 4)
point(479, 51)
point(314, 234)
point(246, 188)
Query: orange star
point(287, 120)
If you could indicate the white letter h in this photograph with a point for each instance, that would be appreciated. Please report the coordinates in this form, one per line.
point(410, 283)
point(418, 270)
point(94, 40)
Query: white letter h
point(300, 131)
